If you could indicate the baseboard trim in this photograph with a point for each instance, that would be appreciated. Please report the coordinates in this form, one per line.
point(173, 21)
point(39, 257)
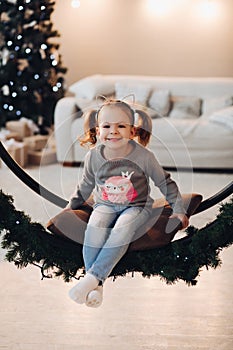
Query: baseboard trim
point(71, 164)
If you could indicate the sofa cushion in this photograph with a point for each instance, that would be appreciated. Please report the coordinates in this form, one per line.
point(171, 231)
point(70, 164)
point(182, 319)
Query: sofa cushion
point(164, 228)
point(223, 116)
point(186, 107)
point(92, 86)
point(160, 228)
point(85, 104)
point(210, 105)
point(138, 93)
point(160, 101)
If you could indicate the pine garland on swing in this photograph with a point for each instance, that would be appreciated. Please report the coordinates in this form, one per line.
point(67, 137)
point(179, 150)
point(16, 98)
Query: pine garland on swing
point(28, 242)
point(57, 249)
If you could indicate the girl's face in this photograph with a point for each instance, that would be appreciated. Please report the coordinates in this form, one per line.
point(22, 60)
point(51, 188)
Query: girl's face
point(114, 127)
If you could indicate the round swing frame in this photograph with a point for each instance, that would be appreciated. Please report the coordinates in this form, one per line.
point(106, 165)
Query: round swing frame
point(134, 261)
point(61, 202)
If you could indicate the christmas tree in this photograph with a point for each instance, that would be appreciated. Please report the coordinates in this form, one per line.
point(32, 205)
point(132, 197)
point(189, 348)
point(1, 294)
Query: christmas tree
point(31, 71)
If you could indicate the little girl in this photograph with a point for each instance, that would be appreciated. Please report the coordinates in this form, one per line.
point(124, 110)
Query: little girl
point(118, 170)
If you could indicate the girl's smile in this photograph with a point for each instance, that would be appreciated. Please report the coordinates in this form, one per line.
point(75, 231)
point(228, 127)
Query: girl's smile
point(113, 139)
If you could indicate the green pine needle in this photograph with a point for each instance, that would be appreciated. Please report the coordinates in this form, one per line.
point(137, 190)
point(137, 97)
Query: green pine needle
point(27, 242)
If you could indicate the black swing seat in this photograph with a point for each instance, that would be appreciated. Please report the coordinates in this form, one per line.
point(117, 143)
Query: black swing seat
point(157, 232)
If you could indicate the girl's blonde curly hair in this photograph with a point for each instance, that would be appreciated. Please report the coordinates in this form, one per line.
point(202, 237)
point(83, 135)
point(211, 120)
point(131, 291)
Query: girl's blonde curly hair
point(143, 123)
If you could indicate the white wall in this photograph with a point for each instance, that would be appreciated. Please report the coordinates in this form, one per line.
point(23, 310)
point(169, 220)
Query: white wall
point(126, 36)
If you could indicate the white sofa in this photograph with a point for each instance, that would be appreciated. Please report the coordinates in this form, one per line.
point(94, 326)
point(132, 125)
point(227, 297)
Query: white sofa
point(192, 117)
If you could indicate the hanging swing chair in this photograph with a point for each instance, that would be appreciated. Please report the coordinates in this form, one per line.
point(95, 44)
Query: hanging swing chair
point(57, 249)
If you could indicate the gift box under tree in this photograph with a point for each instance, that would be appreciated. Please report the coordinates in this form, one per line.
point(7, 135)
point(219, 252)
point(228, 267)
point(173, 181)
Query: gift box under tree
point(18, 151)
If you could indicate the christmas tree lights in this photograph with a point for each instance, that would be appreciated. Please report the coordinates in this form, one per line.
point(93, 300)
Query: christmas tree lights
point(31, 71)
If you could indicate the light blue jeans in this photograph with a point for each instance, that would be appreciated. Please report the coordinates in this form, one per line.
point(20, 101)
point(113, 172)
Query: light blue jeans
point(108, 234)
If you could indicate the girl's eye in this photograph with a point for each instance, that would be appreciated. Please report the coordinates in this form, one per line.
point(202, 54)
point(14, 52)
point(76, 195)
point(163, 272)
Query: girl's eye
point(107, 126)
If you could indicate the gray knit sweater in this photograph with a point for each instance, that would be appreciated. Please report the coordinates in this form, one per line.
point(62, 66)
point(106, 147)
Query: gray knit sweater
point(125, 181)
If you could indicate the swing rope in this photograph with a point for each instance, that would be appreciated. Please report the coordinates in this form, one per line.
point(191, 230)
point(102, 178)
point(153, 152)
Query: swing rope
point(60, 202)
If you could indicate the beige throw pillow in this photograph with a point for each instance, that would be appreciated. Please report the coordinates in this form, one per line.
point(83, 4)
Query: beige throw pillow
point(211, 105)
point(159, 101)
point(224, 117)
point(186, 108)
point(138, 93)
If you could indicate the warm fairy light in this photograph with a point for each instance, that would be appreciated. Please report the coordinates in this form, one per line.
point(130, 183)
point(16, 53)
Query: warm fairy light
point(209, 8)
point(75, 3)
point(159, 7)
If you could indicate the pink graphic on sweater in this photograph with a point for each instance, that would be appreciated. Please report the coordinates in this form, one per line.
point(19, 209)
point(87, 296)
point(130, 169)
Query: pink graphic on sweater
point(119, 189)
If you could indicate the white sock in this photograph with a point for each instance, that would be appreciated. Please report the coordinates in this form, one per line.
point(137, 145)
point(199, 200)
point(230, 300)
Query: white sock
point(80, 291)
point(95, 297)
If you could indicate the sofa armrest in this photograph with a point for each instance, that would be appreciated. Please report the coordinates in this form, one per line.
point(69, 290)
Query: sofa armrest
point(65, 113)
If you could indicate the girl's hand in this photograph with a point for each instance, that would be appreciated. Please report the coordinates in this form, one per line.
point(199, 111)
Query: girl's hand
point(183, 219)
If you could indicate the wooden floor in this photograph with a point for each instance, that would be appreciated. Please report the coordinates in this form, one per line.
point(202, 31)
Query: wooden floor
point(137, 313)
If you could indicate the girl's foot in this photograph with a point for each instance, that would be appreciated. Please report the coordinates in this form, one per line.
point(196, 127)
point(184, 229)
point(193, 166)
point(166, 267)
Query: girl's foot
point(80, 291)
point(95, 297)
